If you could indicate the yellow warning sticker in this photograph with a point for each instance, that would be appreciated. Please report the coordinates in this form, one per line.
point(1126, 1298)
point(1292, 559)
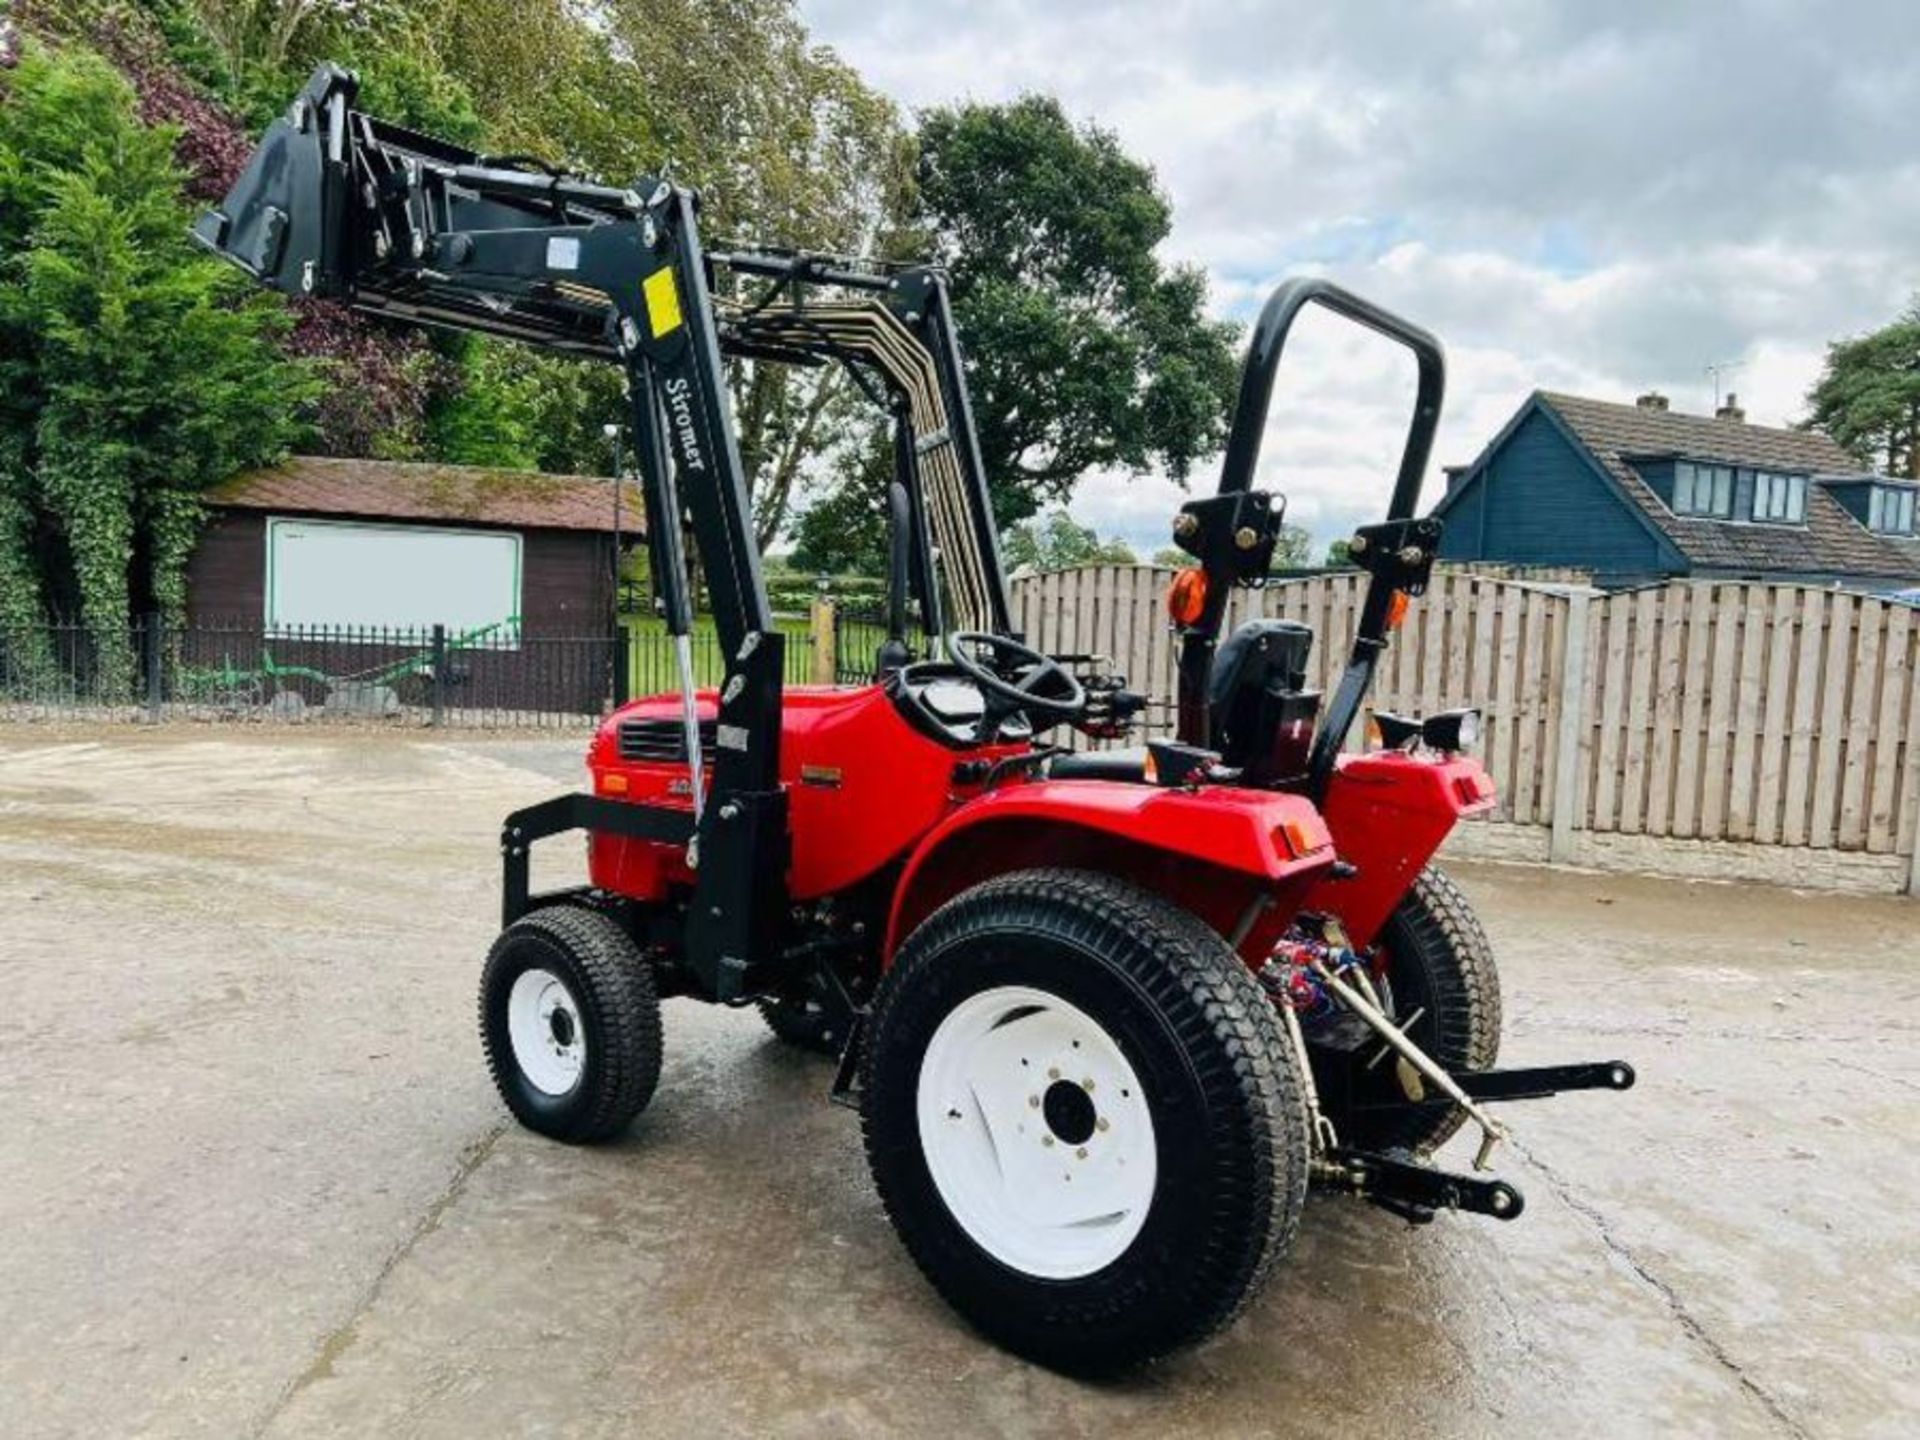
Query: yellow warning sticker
point(663, 302)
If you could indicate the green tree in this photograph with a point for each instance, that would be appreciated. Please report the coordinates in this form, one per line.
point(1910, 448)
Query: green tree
point(1056, 541)
point(1083, 350)
point(792, 149)
point(1339, 555)
point(844, 530)
point(1868, 396)
point(138, 372)
point(786, 142)
point(1294, 549)
point(491, 413)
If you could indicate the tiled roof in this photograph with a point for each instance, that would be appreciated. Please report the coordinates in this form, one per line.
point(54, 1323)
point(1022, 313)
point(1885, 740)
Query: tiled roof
point(386, 490)
point(1831, 542)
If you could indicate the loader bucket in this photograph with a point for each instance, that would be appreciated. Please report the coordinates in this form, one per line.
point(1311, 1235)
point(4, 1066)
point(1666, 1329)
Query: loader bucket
point(270, 224)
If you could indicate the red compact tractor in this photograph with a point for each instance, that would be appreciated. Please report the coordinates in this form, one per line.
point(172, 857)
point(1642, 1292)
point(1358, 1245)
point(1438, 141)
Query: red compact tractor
point(1106, 1016)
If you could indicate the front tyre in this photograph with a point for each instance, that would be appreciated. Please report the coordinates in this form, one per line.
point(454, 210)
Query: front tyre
point(1083, 1119)
point(570, 1021)
point(814, 1018)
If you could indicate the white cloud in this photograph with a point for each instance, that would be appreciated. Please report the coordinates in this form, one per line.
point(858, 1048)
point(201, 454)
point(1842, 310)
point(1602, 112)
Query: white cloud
point(1598, 197)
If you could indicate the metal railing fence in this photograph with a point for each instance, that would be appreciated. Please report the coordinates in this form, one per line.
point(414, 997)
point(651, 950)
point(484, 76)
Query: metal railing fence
point(494, 676)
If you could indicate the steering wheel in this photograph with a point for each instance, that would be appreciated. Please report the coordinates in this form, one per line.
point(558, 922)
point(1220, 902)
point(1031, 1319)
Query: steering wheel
point(1037, 673)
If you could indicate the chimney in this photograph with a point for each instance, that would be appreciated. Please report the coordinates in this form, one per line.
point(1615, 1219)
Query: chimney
point(1731, 410)
point(1652, 400)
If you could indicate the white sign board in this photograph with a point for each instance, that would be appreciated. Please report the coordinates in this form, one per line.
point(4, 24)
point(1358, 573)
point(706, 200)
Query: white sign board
point(347, 573)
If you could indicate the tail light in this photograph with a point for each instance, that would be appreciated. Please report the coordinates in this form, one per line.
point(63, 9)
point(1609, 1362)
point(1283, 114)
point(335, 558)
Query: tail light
point(1473, 787)
point(1302, 836)
point(1187, 597)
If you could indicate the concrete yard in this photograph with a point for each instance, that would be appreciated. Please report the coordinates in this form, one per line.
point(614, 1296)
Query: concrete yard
point(254, 1181)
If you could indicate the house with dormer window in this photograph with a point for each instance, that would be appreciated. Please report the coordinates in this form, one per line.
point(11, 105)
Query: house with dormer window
point(1640, 493)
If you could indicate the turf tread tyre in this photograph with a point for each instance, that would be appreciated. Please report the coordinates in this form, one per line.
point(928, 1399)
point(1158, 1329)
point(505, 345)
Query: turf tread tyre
point(1435, 927)
point(620, 1007)
point(821, 1030)
point(1247, 1107)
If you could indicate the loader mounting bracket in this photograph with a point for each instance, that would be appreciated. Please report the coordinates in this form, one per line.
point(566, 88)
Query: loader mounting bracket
point(574, 812)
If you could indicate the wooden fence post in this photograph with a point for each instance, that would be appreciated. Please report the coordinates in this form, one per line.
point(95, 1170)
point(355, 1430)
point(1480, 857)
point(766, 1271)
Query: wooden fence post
point(1913, 739)
point(825, 639)
point(1573, 721)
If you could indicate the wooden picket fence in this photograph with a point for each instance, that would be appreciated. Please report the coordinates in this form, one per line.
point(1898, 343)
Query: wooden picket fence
point(1764, 715)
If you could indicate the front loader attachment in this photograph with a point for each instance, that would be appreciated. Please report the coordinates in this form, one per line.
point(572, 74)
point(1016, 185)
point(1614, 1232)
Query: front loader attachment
point(269, 226)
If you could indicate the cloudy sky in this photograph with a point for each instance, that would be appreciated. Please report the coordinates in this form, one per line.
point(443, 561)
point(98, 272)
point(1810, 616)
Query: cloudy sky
point(1597, 197)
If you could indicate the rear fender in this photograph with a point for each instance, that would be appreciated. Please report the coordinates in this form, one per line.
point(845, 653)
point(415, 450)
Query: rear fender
point(1389, 813)
point(1212, 851)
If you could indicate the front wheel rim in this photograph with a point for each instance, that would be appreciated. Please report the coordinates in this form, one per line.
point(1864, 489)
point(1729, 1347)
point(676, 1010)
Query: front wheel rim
point(545, 1030)
point(1036, 1132)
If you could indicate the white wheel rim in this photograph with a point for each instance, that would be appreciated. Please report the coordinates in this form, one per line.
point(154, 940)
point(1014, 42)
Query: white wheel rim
point(1036, 1132)
point(543, 1026)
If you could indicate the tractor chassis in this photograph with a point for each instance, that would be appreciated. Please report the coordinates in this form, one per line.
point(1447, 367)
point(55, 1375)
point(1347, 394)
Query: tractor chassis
point(1394, 1181)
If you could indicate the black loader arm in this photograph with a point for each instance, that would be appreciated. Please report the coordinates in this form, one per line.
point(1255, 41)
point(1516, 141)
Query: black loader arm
point(338, 205)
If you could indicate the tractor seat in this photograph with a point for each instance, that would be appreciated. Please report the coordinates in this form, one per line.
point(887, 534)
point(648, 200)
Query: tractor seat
point(1100, 765)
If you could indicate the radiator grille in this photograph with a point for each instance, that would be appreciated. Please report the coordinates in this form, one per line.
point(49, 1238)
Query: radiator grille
point(662, 741)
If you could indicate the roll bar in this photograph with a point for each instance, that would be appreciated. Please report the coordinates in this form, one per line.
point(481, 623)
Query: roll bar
point(1233, 532)
point(1269, 339)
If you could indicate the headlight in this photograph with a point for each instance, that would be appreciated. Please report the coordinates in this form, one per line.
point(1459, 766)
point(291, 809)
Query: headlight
point(1452, 730)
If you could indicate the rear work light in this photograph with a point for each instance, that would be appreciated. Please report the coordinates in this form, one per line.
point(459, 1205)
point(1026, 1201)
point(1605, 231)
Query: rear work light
point(1449, 732)
point(1452, 731)
point(1173, 764)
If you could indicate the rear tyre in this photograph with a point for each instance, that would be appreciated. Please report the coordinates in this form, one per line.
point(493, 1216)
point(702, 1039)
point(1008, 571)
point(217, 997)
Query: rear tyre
point(1083, 1119)
point(1439, 968)
point(570, 1021)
